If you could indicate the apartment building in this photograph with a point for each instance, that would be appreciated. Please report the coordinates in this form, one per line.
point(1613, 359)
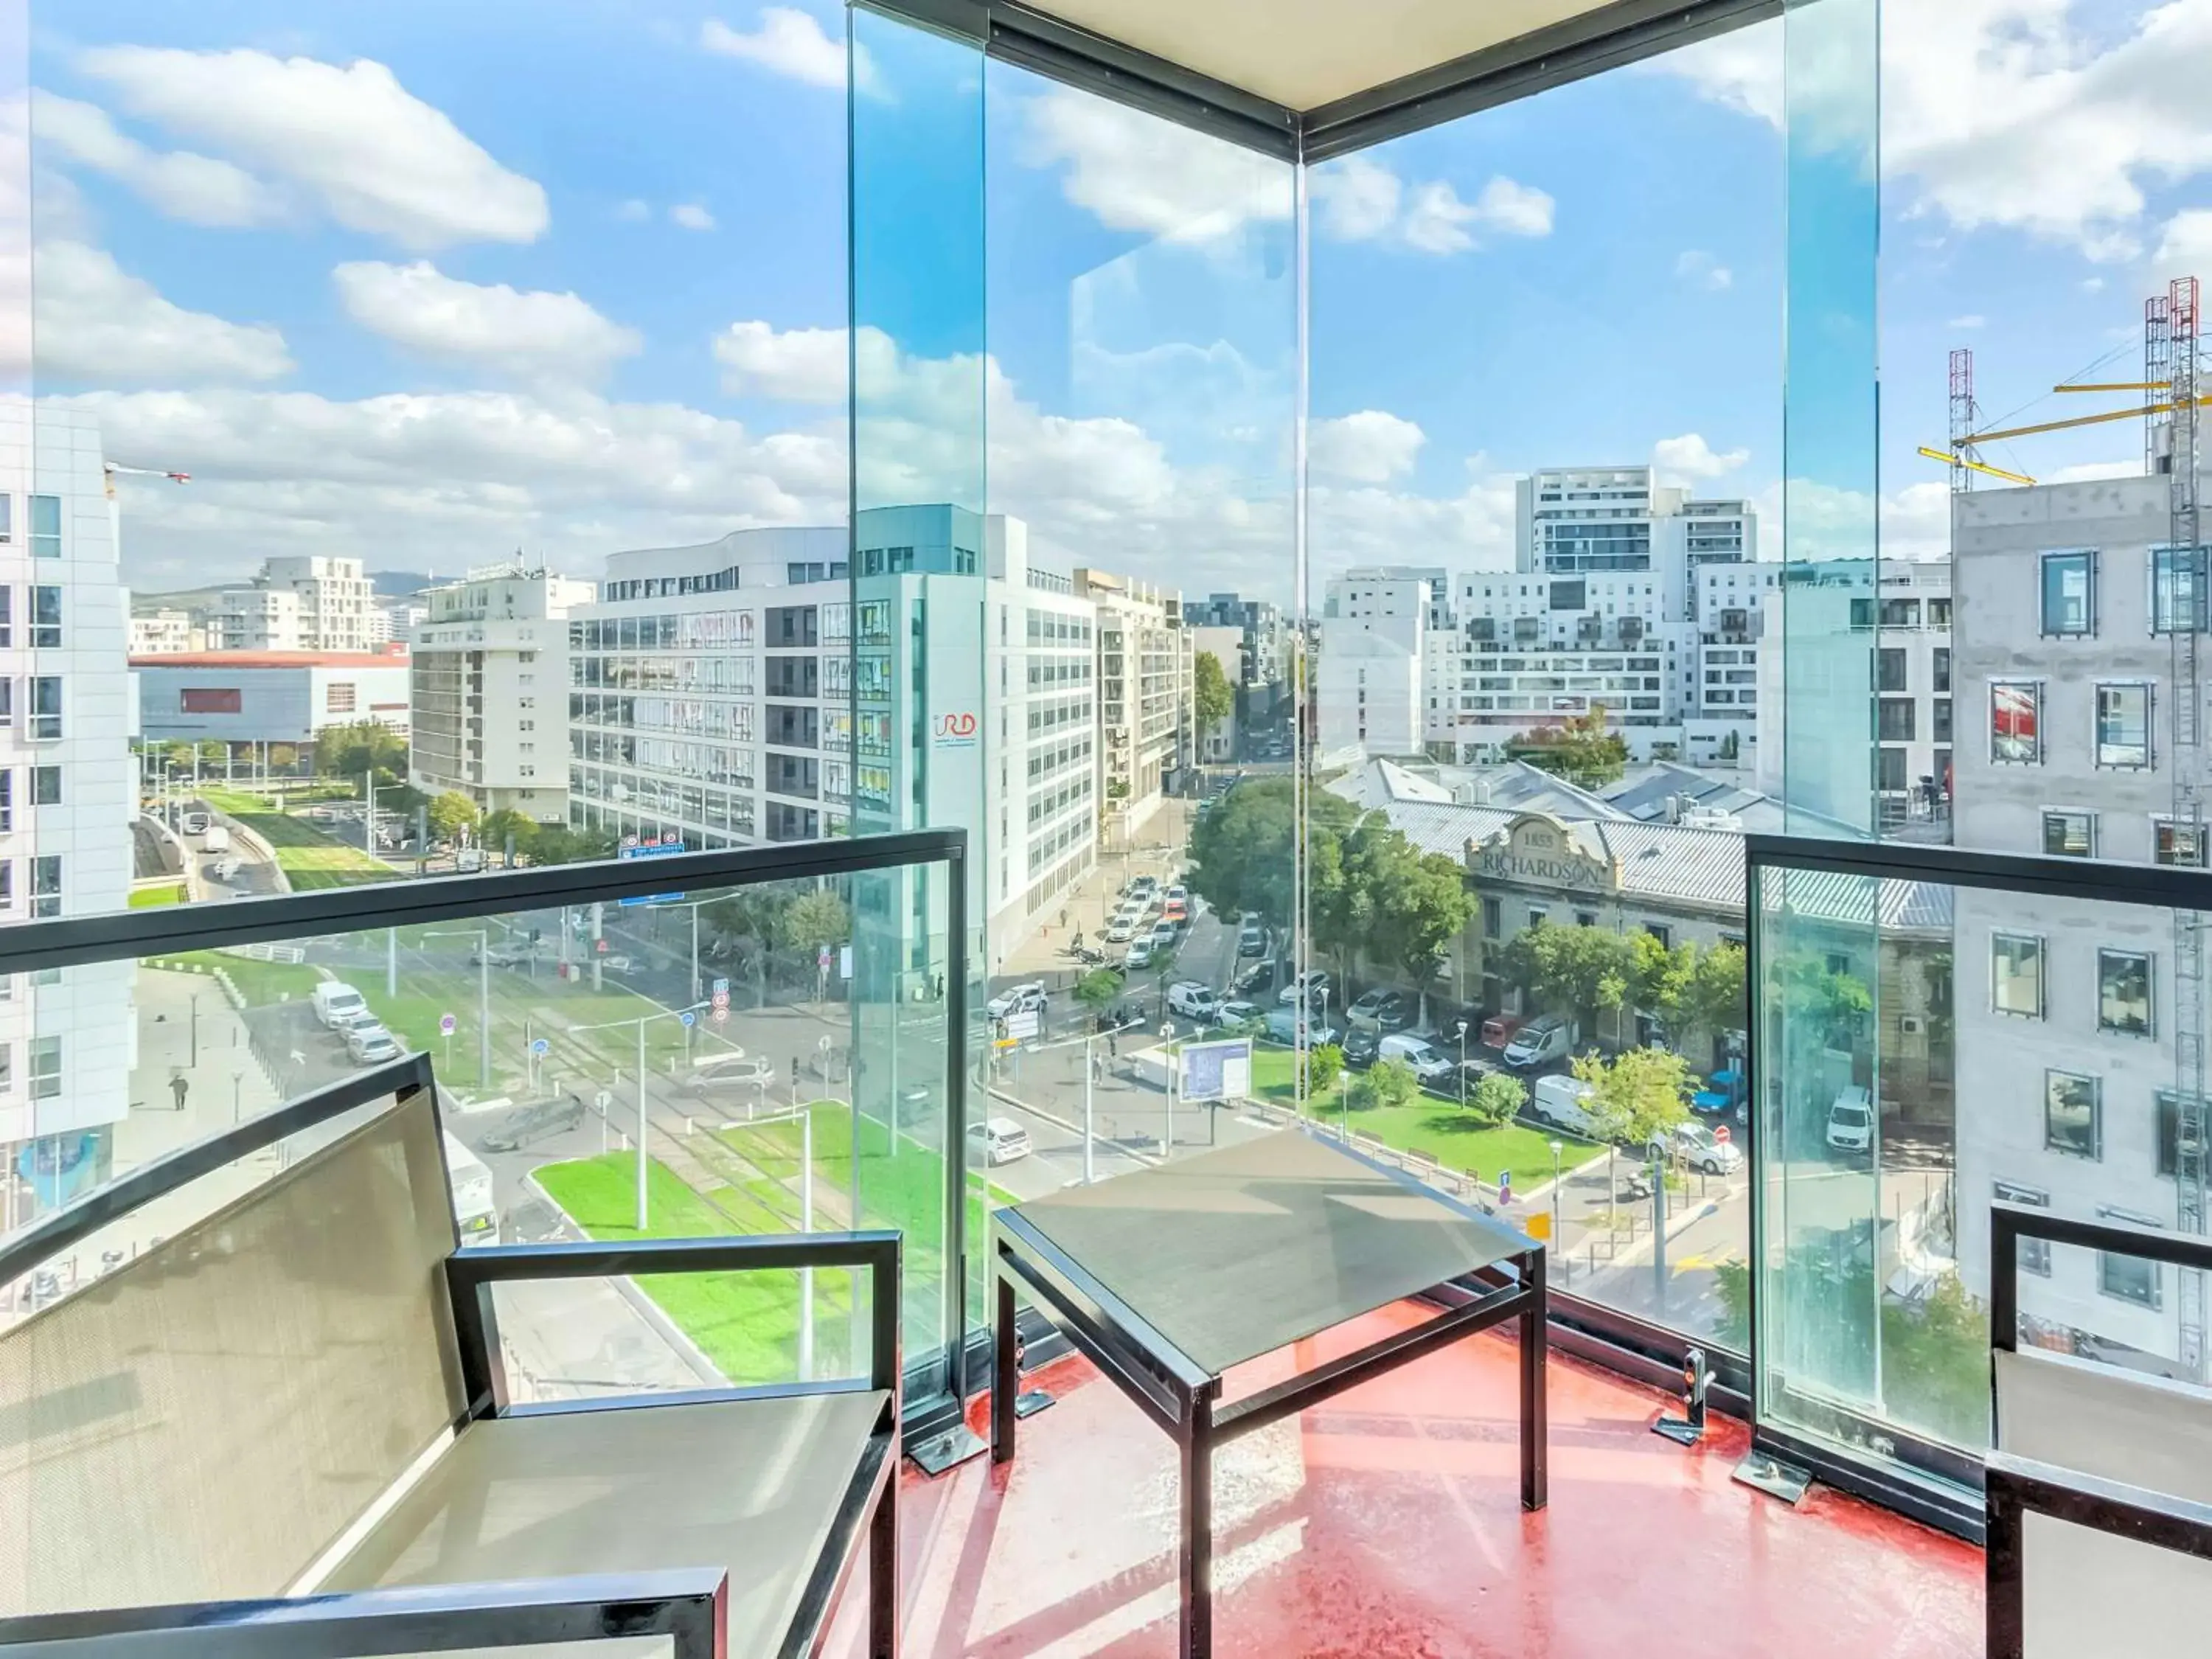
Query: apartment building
point(1262, 668)
point(1380, 661)
point(1142, 672)
point(1216, 743)
point(489, 689)
point(713, 697)
point(68, 794)
point(306, 602)
point(164, 633)
point(2070, 603)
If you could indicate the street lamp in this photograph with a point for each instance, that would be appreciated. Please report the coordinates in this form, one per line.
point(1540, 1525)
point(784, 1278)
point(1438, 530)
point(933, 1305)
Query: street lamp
point(640, 1022)
point(483, 937)
point(1559, 1149)
point(1461, 1029)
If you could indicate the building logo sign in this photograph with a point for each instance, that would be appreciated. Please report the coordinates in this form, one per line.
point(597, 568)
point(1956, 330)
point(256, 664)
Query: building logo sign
point(956, 730)
point(1542, 853)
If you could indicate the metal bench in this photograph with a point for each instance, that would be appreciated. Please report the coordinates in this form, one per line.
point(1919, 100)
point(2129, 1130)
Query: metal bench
point(285, 1429)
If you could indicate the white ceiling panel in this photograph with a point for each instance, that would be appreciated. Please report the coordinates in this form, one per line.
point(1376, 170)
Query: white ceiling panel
point(1304, 53)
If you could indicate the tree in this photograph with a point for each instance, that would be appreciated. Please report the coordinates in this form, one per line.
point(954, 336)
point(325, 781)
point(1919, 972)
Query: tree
point(348, 752)
point(555, 844)
point(1419, 905)
point(283, 756)
point(1814, 993)
point(1386, 1083)
point(1498, 1098)
point(1099, 989)
point(1324, 1064)
point(1243, 852)
point(498, 826)
point(817, 919)
point(452, 814)
point(1580, 749)
point(1577, 970)
point(1638, 1096)
point(1705, 995)
point(1211, 700)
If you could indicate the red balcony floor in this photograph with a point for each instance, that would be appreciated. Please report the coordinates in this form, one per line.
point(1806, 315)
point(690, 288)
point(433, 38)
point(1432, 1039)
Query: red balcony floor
point(1387, 1523)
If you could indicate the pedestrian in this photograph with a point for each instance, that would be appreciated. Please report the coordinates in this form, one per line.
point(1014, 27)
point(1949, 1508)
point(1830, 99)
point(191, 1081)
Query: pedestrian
point(1113, 1044)
point(940, 987)
point(178, 1087)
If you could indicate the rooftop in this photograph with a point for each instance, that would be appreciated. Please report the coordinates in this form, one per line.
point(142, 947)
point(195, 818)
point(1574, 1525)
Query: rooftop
point(393, 656)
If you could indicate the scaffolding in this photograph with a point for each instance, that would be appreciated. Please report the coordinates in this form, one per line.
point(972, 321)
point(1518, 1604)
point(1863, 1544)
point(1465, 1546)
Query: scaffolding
point(2170, 332)
point(1962, 421)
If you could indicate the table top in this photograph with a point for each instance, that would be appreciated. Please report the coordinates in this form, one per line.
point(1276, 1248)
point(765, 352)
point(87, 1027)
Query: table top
point(1240, 1251)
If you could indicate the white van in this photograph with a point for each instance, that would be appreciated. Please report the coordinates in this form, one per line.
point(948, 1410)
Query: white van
point(1561, 1101)
point(1540, 1042)
point(1430, 1064)
point(337, 1003)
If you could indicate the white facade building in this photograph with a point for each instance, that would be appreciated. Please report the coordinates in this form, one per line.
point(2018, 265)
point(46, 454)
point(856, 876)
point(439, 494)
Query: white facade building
point(713, 698)
point(1381, 662)
point(306, 602)
point(257, 619)
point(1143, 675)
point(163, 633)
point(1217, 743)
point(268, 696)
point(489, 690)
point(67, 800)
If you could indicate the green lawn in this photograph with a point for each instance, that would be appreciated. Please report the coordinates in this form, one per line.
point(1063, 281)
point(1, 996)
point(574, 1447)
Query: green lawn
point(309, 858)
point(746, 1323)
point(146, 898)
point(261, 983)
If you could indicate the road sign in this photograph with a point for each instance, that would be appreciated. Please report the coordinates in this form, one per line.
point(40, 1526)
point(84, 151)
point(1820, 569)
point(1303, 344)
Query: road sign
point(721, 1001)
point(539, 1045)
point(1024, 1026)
point(721, 1012)
point(1506, 1186)
point(604, 1099)
point(822, 958)
point(721, 988)
point(689, 1019)
point(1721, 1134)
point(446, 1024)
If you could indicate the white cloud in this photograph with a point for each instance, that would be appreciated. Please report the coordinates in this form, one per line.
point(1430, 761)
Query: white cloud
point(789, 43)
point(198, 189)
point(692, 216)
point(1369, 447)
point(1435, 220)
point(1354, 199)
point(1971, 319)
point(351, 143)
point(634, 211)
point(95, 321)
point(799, 364)
point(1688, 458)
point(529, 333)
point(1701, 270)
point(1135, 172)
point(2092, 472)
point(2185, 246)
point(1511, 209)
point(1358, 199)
point(2035, 115)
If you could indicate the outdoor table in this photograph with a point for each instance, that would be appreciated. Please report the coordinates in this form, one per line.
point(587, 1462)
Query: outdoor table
point(1169, 1277)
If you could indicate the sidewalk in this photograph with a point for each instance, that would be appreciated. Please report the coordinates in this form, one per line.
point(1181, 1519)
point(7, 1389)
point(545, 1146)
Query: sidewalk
point(1157, 847)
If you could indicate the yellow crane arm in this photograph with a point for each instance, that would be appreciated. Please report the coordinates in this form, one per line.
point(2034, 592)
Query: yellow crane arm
point(2114, 386)
point(1949, 460)
point(2078, 420)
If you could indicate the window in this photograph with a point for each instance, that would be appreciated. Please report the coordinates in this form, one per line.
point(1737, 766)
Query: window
point(1893, 721)
point(1493, 919)
point(2016, 722)
point(7, 519)
point(2034, 1253)
point(2016, 974)
point(2069, 835)
point(46, 619)
point(1889, 670)
point(2068, 579)
point(1943, 667)
point(1659, 931)
point(2124, 724)
point(1891, 769)
point(2073, 1114)
point(338, 697)
point(210, 700)
point(1939, 724)
point(6, 610)
point(46, 786)
point(1901, 613)
point(2176, 842)
point(7, 799)
point(45, 1057)
point(2169, 1131)
point(45, 526)
point(1536, 915)
point(2124, 993)
point(2177, 589)
point(2129, 1277)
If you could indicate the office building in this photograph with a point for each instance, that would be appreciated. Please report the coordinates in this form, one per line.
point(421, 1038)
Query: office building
point(1143, 680)
point(1261, 672)
point(489, 690)
point(1380, 661)
point(268, 696)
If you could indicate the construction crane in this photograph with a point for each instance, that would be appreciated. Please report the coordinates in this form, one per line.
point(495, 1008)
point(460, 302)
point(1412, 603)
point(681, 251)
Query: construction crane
point(1960, 457)
point(112, 468)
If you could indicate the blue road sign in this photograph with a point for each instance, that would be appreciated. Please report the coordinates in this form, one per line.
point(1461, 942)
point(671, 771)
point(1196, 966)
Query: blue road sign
point(538, 1045)
point(689, 1019)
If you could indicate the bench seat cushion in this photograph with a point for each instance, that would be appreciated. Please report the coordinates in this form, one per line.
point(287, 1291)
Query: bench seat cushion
point(753, 1485)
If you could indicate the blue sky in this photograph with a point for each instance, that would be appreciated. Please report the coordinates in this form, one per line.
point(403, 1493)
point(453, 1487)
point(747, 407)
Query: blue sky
point(428, 282)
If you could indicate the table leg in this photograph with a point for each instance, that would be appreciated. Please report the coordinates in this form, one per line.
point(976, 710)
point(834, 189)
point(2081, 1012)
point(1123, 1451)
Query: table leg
point(1005, 1377)
point(1198, 1532)
point(1534, 1344)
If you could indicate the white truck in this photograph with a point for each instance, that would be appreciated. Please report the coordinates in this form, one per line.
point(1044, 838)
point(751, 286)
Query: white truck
point(218, 838)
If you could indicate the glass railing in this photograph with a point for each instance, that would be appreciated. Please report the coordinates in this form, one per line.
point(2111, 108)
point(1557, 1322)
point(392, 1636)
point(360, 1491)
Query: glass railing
point(722, 1043)
point(1939, 1031)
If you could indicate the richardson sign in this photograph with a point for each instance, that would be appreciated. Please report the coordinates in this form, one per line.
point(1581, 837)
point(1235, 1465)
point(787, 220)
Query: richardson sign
point(1542, 852)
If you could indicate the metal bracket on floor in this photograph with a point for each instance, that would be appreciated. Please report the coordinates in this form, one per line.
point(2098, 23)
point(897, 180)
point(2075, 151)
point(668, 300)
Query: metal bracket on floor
point(1770, 1474)
point(1690, 1428)
point(940, 1452)
point(1031, 1401)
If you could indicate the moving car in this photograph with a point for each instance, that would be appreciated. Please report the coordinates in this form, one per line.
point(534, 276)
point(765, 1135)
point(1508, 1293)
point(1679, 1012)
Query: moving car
point(370, 1044)
point(718, 1072)
point(1386, 1011)
point(1430, 1064)
point(1176, 906)
point(1360, 1048)
point(1540, 1042)
point(1164, 935)
point(518, 1128)
point(506, 953)
point(1192, 1000)
point(195, 823)
point(1000, 1139)
point(1311, 984)
point(1143, 888)
point(1016, 1000)
point(1563, 1102)
point(334, 1001)
point(1699, 1149)
point(1850, 1119)
point(218, 838)
point(1252, 940)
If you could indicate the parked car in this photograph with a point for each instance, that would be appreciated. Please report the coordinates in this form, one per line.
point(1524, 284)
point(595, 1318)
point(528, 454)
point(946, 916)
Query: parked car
point(1360, 1046)
point(1430, 1064)
point(1120, 931)
point(1851, 1121)
point(1311, 985)
point(1143, 888)
point(505, 953)
point(1286, 1024)
point(1540, 1042)
point(371, 1044)
point(195, 823)
point(1000, 1139)
point(1236, 1015)
point(1140, 954)
point(1164, 935)
point(1252, 940)
point(1385, 1011)
point(536, 1121)
point(719, 1073)
point(1016, 1000)
point(1563, 1102)
point(1698, 1148)
point(1192, 1000)
point(1176, 906)
point(333, 999)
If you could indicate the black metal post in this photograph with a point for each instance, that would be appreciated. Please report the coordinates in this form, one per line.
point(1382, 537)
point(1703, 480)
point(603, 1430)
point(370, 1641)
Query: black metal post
point(2004, 1609)
point(1197, 1635)
point(1535, 1344)
point(1005, 1379)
